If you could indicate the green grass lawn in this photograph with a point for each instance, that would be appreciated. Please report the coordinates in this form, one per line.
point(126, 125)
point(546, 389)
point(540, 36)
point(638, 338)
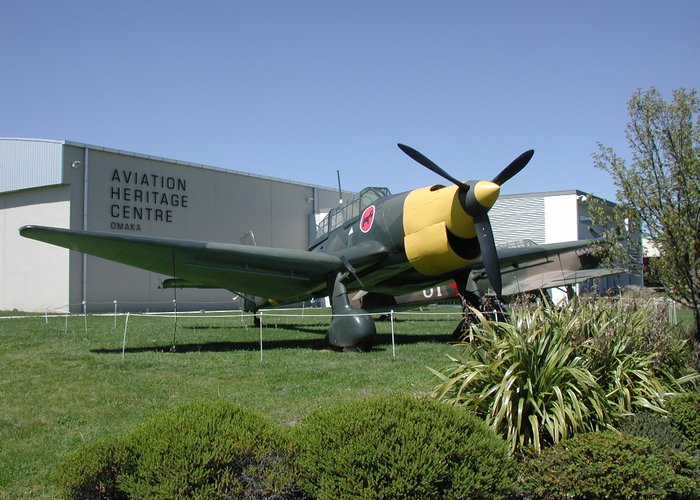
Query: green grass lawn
point(61, 387)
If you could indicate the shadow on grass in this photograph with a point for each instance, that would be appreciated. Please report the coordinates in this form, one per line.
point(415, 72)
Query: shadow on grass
point(413, 338)
point(321, 343)
point(179, 348)
point(320, 329)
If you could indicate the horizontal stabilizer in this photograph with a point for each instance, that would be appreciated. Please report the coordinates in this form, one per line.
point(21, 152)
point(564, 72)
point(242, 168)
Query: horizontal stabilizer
point(248, 239)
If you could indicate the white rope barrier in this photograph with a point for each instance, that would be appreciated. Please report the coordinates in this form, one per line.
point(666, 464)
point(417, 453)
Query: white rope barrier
point(287, 313)
point(64, 310)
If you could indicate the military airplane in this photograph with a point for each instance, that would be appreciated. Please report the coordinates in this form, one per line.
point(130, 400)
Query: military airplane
point(382, 244)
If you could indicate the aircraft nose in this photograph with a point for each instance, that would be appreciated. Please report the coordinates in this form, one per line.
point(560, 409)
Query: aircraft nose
point(486, 193)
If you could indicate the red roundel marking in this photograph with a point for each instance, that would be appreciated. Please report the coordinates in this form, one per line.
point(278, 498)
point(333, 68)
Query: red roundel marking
point(367, 219)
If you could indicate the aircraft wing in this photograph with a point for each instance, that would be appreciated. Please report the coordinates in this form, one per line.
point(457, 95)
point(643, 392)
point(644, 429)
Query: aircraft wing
point(283, 275)
point(516, 256)
point(537, 267)
point(552, 279)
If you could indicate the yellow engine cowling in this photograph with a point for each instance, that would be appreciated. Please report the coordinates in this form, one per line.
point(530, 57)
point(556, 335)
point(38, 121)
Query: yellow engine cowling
point(439, 236)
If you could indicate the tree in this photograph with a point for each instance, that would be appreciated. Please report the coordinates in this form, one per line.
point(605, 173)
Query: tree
point(661, 186)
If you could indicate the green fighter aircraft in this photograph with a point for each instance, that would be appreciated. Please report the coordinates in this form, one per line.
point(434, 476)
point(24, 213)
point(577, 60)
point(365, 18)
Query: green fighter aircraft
point(381, 244)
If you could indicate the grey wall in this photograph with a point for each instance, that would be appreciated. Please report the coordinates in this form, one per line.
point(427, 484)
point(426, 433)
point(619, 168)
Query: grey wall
point(135, 195)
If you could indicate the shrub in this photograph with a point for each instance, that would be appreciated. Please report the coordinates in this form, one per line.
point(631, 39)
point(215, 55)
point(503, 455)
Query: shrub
point(199, 450)
point(685, 416)
point(206, 450)
point(611, 465)
point(659, 429)
point(630, 344)
point(401, 447)
point(93, 471)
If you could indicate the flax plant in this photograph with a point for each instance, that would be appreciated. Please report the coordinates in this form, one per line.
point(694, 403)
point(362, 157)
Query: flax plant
point(549, 373)
point(526, 381)
point(636, 356)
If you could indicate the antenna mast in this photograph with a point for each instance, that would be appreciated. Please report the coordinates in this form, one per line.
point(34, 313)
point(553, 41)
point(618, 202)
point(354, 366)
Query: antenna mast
point(340, 191)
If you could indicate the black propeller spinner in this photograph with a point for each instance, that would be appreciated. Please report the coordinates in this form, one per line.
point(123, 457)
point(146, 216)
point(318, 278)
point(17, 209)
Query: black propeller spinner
point(482, 223)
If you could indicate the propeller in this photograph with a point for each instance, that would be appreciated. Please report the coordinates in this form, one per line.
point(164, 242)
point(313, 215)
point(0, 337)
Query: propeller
point(489, 255)
point(479, 213)
point(515, 166)
point(430, 165)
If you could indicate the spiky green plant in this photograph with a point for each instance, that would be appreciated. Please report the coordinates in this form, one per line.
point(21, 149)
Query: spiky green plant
point(634, 325)
point(636, 356)
point(552, 372)
point(526, 381)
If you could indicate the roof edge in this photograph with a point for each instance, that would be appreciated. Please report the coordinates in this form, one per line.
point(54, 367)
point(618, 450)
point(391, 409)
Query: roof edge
point(144, 156)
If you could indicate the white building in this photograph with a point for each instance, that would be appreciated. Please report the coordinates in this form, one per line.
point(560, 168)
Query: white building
point(78, 186)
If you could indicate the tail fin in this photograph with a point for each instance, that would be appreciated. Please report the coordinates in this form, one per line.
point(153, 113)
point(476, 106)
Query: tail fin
point(248, 239)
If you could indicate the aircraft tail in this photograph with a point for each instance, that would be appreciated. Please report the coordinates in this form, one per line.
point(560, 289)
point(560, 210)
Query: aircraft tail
point(248, 239)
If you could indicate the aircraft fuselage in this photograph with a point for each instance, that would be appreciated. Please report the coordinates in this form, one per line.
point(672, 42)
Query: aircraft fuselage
point(426, 236)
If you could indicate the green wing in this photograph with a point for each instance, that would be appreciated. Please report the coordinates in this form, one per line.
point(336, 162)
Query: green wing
point(283, 275)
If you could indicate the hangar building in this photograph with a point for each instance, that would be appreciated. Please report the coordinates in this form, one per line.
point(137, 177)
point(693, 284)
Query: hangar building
point(78, 186)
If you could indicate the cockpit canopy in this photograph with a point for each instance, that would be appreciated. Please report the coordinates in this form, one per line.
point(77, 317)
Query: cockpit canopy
point(349, 211)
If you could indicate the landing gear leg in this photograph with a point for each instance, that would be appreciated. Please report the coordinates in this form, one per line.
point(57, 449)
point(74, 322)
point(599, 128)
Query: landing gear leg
point(470, 302)
point(351, 327)
point(489, 306)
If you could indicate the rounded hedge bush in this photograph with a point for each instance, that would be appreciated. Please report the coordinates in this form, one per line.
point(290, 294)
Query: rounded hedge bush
point(93, 471)
point(684, 412)
point(659, 429)
point(401, 447)
point(208, 450)
point(611, 465)
point(199, 450)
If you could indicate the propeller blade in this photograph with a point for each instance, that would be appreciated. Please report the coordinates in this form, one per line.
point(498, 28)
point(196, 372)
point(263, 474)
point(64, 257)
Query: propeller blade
point(484, 233)
point(515, 166)
point(430, 165)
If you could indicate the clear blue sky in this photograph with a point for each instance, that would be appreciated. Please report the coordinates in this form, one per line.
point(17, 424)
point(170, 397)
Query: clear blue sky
point(298, 89)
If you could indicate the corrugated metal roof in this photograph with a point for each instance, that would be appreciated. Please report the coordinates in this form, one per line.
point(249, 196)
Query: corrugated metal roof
point(518, 217)
point(29, 163)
